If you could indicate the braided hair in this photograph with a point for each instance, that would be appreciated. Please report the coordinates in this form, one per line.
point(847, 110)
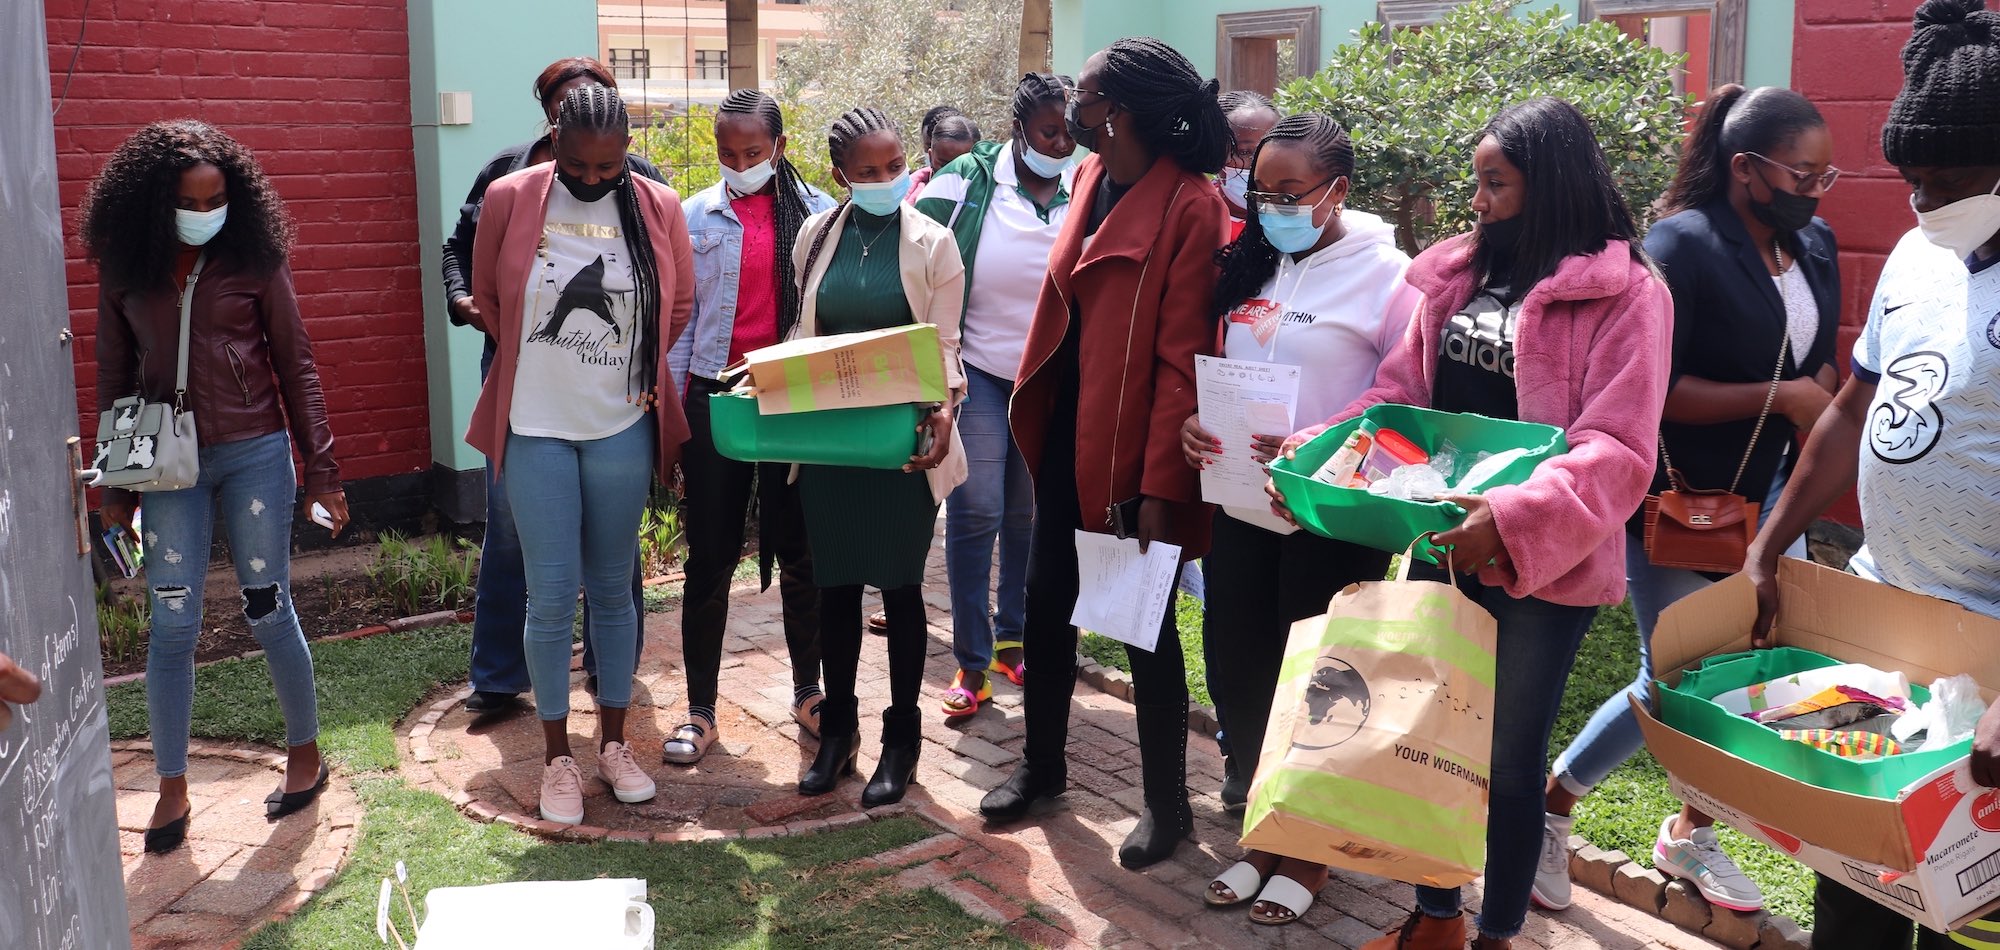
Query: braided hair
point(1174, 110)
point(1035, 89)
point(598, 109)
point(790, 208)
point(1250, 261)
point(852, 125)
point(928, 127)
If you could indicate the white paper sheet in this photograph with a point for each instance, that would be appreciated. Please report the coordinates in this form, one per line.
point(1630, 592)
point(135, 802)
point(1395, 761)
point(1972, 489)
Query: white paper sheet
point(1238, 399)
point(1123, 594)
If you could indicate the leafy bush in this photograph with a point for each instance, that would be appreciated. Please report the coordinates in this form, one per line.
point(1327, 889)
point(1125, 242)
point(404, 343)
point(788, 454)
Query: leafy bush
point(123, 624)
point(425, 575)
point(683, 146)
point(662, 534)
point(1414, 101)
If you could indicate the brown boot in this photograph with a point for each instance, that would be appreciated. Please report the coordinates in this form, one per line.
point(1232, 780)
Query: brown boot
point(1423, 933)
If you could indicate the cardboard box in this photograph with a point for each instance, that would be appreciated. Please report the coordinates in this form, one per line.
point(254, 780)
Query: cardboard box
point(1932, 853)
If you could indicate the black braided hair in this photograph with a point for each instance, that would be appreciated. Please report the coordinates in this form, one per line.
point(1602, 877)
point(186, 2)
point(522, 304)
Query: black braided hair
point(1035, 89)
point(790, 207)
point(930, 121)
point(1174, 110)
point(851, 126)
point(1250, 261)
point(1247, 101)
point(955, 128)
point(598, 109)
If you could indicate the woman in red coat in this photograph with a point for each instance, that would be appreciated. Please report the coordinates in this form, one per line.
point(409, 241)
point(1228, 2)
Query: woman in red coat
point(1105, 382)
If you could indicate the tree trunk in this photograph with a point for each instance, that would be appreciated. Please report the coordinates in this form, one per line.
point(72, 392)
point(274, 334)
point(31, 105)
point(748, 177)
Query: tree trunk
point(1036, 22)
point(745, 60)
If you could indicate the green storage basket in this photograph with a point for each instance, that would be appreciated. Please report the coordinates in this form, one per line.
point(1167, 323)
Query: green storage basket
point(1391, 524)
point(871, 437)
point(1686, 707)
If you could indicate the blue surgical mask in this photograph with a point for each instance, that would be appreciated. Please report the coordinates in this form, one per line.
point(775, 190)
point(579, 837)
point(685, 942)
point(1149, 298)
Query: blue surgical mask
point(1043, 165)
point(1290, 229)
point(197, 228)
point(880, 197)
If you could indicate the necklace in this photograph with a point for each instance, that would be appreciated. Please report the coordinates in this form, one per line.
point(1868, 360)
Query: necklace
point(868, 242)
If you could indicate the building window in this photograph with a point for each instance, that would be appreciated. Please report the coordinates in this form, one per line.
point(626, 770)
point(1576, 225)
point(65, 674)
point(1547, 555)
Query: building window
point(711, 64)
point(1262, 50)
point(631, 63)
point(1711, 32)
point(1413, 13)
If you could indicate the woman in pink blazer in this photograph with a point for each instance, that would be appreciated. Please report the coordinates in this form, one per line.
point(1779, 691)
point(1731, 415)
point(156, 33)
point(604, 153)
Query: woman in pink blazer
point(583, 274)
point(1548, 312)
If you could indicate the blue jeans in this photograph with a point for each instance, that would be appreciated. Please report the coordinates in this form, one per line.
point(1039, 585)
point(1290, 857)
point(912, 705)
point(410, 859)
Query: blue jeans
point(500, 595)
point(579, 523)
point(1536, 646)
point(1612, 734)
point(252, 484)
point(997, 500)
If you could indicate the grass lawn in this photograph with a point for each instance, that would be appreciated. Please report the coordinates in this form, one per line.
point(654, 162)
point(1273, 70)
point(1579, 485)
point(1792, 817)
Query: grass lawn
point(782, 892)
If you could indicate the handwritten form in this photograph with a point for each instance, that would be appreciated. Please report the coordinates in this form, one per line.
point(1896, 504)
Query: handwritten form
point(1239, 398)
point(1121, 593)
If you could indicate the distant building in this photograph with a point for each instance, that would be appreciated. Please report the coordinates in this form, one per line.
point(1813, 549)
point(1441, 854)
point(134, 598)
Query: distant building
point(668, 53)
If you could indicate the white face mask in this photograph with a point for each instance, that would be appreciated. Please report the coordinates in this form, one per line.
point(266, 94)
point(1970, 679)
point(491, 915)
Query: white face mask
point(750, 180)
point(197, 228)
point(1964, 225)
point(1235, 181)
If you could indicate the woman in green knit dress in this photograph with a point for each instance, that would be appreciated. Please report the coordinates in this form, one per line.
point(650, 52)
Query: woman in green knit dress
point(873, 263)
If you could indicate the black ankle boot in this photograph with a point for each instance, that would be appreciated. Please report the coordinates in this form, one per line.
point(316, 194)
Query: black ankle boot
point(839, 740)
point(1029, 784)
point(901, 740)
point(1167, 819)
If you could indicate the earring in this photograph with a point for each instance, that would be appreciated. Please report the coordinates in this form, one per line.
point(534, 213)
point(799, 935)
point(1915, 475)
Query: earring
point(1108, 130)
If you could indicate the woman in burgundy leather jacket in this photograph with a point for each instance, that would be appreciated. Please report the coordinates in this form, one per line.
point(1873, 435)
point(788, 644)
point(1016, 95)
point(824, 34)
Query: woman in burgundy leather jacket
point(179, 205)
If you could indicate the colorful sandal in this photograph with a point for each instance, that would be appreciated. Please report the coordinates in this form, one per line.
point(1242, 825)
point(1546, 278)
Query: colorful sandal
point(1013, 673)
point(967, 700)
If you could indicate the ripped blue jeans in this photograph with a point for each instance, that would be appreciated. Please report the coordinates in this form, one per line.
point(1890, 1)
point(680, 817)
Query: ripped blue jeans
point(252, 485)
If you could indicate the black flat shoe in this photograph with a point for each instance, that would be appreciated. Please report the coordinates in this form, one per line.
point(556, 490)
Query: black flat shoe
point(169, 836)
point(489, 704)
point(280, 803)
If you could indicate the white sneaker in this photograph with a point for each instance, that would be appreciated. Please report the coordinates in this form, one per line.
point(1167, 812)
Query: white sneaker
point(618, 769)
point(562, 792)
point(1552, 885)
point(1699, 861)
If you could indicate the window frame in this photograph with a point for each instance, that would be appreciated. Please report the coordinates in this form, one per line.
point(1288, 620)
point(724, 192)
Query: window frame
point(636, 63)
point(1728, 30)
point(1301, 25)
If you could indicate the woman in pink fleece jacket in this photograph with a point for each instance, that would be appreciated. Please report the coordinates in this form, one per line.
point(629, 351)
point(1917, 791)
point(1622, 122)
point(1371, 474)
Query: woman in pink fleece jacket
point(1548, 312)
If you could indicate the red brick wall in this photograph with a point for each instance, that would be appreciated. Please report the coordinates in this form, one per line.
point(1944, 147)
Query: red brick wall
point(320, 92)
point(1846, 58)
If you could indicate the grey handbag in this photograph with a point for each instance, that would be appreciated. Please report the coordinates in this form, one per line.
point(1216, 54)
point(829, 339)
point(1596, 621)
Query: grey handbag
point(143, 445)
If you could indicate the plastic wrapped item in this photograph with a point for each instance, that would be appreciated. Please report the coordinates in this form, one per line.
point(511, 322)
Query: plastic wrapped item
point(1950, 717)
point(1798, 686)
point(1485, 466)
point(1444, 458)
point(1418, 482)
point(1391, 451)
point(1827, 700)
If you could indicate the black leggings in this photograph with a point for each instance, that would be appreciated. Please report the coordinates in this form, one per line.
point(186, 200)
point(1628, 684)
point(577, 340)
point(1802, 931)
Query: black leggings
point(1845, 920)
point(840, 643)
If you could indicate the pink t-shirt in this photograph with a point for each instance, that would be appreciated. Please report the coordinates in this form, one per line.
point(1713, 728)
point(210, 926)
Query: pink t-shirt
point(757, 278)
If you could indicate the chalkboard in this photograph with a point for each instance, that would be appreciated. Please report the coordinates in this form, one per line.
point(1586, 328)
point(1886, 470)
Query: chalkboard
point(61, 886)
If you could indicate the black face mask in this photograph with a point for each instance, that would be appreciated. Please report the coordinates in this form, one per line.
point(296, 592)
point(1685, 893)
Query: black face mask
point(1785, 212)
point(588, 193)
point(1502, 237)
point(1079, 133)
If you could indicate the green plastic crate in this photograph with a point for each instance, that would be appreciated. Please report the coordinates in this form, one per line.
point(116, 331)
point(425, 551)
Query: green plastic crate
point(871, 437)
point(1392, 524)
point(1687, 708)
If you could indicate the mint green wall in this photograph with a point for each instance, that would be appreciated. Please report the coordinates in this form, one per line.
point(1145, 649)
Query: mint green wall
point(492, 49)
point(1084, 26)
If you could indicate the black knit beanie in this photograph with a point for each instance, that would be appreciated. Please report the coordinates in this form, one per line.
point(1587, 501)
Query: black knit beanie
point(1948, 114)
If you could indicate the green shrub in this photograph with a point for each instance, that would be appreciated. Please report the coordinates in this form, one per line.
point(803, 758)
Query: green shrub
point(425, 575)
point(123, 624)
point(662, 534)
point(683, 146)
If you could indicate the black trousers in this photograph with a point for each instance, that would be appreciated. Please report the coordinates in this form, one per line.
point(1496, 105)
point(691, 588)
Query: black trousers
point(1845, 920)
point(1258, 583)
point(1049, 640)
point(716, 508)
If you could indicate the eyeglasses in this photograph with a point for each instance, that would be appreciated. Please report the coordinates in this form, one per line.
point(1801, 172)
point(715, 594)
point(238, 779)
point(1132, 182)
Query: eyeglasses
point(1804, 180)
point(1285, 199)
point(1070, 94)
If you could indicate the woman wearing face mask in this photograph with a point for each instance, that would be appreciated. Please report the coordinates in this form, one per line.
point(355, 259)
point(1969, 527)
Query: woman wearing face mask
point(1313, 285)
point(1005, 204)
point(1251, 116)
point(584, 277)
point(182, 210)
point(747, 297)
point(1106, 380)
point(499, 665)
point(875, 262)
point(1752, 273)
point(1552, 286)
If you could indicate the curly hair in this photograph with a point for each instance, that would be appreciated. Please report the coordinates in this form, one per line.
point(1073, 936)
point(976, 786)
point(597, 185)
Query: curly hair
point(127, 221)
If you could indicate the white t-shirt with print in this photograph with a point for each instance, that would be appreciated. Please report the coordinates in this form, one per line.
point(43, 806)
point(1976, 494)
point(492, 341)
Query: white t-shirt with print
point(573, 377)
point(1007, 271)
point(1930, 447)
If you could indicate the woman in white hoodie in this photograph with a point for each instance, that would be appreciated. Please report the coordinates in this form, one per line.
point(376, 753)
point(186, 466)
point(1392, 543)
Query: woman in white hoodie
point(1312, 285)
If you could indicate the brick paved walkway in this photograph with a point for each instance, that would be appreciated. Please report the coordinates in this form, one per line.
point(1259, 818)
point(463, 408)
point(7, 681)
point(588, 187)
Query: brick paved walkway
point(237, 869)
point(1053, 881)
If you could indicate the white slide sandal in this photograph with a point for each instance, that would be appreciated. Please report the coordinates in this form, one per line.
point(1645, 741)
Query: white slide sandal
point(1287, 894)
point(1241, 879)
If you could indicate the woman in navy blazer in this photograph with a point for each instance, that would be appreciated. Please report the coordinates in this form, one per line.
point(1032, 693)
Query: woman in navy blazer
point(1751, 270)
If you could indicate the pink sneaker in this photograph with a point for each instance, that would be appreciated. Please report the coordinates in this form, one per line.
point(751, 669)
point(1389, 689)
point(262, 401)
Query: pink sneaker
point(562, 792)
point(619, 770)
